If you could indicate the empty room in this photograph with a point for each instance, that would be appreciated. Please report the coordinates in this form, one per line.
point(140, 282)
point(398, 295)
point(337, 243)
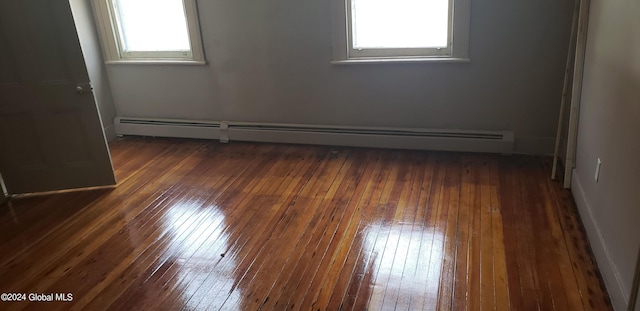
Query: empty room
point(319, 155)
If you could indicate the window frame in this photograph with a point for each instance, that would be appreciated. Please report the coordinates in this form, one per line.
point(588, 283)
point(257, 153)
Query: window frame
point(456, 51)
point(111, 38)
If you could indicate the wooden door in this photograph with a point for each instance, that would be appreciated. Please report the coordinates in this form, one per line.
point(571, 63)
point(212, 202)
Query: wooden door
point(51, 136)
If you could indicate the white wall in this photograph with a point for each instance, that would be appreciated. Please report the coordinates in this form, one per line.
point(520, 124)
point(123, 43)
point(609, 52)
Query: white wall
point(610, 130)
point(89, 41)
point(269, 61)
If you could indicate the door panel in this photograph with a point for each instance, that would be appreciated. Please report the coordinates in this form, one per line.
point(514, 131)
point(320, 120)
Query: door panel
point(8, 74)
point(51, 135)
point(22, 153)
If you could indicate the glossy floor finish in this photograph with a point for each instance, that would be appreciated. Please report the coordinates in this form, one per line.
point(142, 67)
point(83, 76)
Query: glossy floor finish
point(201, 225)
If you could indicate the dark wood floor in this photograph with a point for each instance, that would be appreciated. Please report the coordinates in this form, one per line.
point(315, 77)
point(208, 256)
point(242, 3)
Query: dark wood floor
point(201, 225)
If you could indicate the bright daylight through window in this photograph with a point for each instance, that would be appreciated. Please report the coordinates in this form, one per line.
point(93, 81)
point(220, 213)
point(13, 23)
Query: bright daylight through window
point(400, 29)
point(400, 23)
point(149, 30)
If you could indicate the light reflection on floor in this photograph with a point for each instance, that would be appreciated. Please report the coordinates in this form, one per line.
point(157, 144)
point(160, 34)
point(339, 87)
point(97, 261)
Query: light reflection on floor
point(404, 256)
point(203, 274)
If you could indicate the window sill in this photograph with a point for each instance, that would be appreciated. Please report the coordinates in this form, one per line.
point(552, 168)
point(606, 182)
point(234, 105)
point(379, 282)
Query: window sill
point(157, 62)
point(401, 60)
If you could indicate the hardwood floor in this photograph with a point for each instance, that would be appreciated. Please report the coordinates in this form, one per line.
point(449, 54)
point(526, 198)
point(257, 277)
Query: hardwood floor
point(201, 225)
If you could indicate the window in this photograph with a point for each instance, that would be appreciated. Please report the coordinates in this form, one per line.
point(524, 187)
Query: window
point(414, 30)
point(153, 31)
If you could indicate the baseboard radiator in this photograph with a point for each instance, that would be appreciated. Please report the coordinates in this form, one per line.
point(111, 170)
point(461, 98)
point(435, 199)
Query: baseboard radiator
point(376, 137)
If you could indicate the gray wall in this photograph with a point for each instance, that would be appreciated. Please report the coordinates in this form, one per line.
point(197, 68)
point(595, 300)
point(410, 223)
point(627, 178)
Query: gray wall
point(269, 61)
point(92, 52)
point(610, 130)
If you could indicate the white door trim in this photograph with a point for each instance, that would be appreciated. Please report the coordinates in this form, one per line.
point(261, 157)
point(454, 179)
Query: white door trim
point(576, 91)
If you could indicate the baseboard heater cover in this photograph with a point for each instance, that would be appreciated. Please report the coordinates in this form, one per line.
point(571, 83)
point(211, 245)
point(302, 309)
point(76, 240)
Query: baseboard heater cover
point(167, 128)
point(377, 137)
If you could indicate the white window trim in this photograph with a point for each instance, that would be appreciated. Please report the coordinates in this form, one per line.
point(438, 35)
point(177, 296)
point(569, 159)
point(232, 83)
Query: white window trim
point(458, 51)
point(109, 36)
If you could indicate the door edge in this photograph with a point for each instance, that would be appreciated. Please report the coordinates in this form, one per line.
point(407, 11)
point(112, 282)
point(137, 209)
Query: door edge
point(4, 195)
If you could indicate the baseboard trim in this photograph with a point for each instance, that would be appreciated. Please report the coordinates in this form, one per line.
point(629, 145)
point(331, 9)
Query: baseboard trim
point(610, 273)
point(370, 141)
point(357, 136)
